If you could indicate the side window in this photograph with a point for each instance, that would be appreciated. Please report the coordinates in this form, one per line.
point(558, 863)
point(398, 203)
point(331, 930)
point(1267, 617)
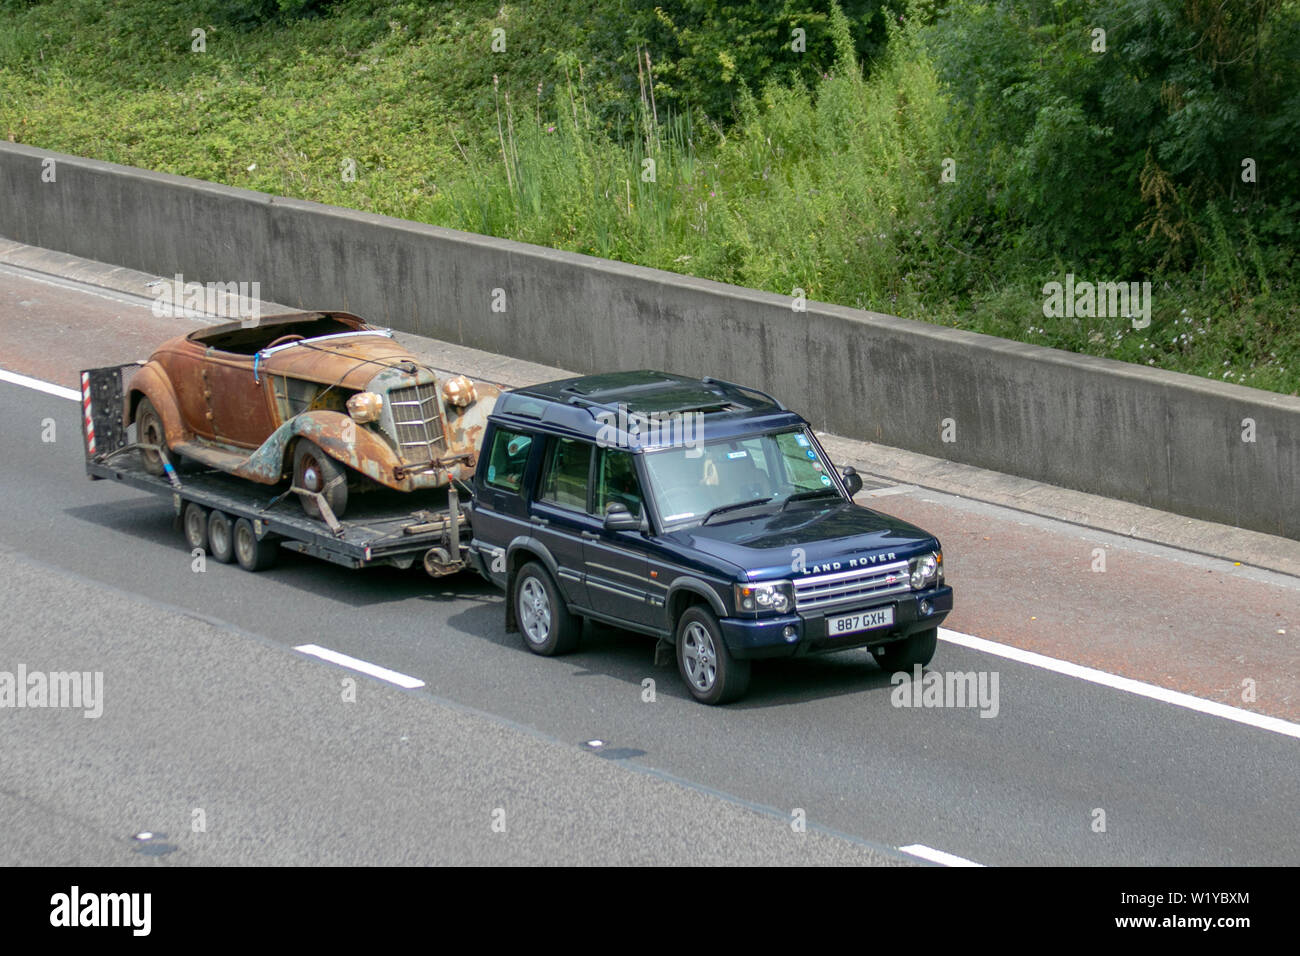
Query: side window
point(616, 481)
point(567, 473)
point(507, 459)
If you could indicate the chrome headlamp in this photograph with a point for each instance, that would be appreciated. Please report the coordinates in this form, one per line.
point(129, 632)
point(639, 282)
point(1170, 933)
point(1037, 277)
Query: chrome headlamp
point(365, 407)
point(926, 570)
point(775, 596)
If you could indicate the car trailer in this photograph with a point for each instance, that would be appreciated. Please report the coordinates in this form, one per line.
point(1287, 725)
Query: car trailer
point(233, 519)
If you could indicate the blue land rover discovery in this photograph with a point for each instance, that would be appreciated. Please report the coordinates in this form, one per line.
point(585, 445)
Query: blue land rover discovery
point(698, 511)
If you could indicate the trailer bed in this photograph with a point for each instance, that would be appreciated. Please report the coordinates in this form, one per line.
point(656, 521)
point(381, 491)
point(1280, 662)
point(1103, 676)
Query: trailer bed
point(382, 527)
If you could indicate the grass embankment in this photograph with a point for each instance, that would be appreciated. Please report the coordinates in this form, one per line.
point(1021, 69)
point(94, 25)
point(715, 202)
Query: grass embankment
point(834, 189)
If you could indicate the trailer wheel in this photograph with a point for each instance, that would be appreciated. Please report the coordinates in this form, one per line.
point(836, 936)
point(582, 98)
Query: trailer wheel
point(544, 618)
point(195, 519)
point(316, 471)
point(149, 431)
point(251, 553)
point(220, 538)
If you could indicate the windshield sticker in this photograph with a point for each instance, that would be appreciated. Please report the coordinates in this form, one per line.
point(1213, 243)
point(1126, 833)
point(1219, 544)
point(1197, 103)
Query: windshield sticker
point(826, 479)
point(737, 454)
point(812, 455)
point(802, 442)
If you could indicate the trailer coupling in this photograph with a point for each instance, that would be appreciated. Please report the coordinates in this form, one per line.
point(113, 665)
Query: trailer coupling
point(447, 558)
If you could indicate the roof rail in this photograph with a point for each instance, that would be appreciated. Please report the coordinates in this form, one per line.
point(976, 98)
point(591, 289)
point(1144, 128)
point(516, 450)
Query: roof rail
point(710, 380)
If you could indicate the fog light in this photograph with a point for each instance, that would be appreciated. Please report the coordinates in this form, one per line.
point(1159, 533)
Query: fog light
point(926, 608)
point(789, 633)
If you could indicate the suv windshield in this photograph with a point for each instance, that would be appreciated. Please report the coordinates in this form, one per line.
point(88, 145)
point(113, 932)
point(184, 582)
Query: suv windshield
point(693, 484)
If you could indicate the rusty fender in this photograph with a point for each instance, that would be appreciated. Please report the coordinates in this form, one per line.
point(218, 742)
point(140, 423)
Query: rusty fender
point(151, 382)
point(343, 440)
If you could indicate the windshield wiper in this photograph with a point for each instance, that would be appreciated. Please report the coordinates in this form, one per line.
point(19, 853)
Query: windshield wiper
point(815, 493)
point(740, 504)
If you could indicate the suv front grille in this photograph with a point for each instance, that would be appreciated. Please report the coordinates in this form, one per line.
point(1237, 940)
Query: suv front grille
point(843, 587)
point(417, 422)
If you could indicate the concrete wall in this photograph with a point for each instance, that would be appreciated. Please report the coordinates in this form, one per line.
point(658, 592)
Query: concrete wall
point(1156, 438)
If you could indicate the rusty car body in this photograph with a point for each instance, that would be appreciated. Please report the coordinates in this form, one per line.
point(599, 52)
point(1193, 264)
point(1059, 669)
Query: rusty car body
point(301, 394)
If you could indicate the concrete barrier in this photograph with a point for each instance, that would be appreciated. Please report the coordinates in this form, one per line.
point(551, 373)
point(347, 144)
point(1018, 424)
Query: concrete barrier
point(1157, 438)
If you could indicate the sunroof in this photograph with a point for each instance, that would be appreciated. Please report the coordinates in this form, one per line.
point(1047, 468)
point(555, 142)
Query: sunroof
point(593, 385)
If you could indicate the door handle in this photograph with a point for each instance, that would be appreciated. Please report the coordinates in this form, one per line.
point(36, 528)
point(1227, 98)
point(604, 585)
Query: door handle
point(591, 535)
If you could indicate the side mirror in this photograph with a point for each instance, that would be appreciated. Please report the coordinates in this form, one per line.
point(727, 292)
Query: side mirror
point(618, 518)
point(852, 480)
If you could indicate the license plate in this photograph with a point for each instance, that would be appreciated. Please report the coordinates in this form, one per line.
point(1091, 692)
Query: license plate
point(859, 621)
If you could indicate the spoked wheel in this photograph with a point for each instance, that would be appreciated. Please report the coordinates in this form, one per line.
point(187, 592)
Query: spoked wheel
point(543, 617)
point(252, 553)
point(313, 470)
point(149, 431)
point(712, 675)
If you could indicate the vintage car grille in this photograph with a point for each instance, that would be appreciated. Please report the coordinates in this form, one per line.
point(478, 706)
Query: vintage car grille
point(416, 421)
point(858, 584)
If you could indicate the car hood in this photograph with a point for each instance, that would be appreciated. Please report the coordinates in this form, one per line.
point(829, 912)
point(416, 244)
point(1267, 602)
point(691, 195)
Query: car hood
point(808, 538)
point(351, 361)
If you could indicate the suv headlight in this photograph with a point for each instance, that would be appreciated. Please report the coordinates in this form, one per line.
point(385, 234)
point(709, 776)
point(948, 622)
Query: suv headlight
point(926, 570)
point(777, 596)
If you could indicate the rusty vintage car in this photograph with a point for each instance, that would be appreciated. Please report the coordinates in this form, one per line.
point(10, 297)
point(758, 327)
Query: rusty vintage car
point(318, 397)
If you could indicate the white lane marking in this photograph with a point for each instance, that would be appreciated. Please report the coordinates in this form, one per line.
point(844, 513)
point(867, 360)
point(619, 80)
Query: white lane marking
point(365, 667)
point(49, 388)
point(937, 856)
point(1127, 684)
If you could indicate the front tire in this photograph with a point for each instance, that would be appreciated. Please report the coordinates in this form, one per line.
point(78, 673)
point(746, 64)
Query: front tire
point(149, 431)
point(712, 675)
point(316, 471)
point(544, 619)
point(905, 654)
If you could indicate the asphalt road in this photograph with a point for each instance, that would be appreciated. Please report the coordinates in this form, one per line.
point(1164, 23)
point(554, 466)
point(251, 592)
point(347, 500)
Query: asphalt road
point(207, 706)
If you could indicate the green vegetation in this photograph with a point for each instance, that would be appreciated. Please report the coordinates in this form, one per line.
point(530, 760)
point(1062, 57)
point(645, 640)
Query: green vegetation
point(821, 170)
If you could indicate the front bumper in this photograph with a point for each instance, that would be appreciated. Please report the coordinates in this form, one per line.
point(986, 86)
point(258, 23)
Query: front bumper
point(749, 638)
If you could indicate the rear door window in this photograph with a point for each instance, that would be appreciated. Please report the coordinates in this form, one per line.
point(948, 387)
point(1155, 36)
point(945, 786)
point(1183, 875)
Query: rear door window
point(507, 458)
